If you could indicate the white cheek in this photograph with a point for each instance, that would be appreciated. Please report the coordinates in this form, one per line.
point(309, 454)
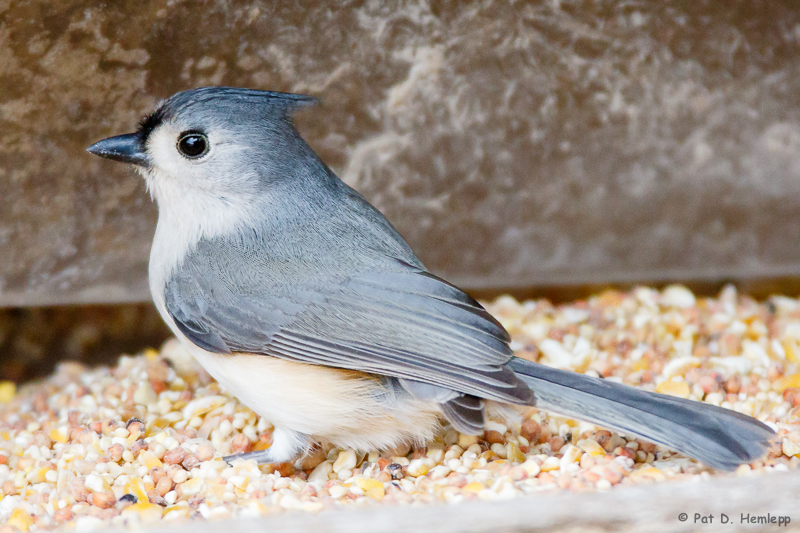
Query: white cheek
point(169, 165)
point(171, 169)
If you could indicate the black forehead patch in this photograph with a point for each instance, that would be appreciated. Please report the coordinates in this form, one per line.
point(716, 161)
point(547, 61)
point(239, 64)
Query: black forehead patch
point(151, 122)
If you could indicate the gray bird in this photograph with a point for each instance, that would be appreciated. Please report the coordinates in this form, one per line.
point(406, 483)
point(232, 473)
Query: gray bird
point(301, 299)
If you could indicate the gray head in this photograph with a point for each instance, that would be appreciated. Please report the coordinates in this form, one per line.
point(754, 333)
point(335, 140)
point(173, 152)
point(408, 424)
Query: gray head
point(213, 141)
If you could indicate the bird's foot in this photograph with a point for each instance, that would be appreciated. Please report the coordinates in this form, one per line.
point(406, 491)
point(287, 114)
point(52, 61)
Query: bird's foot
point(261, 457)
point(286, 446)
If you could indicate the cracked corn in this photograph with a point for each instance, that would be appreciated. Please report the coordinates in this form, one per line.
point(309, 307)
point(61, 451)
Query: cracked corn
point(142, 442)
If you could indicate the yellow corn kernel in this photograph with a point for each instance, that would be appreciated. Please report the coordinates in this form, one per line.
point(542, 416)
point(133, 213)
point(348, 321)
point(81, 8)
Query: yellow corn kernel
point(8, 389)
point(135, 486)
point(787, 382)
point(20, 519)
point(475, 487)
point(791, 351)
point(376, 494)
point(674, 388)
point(367, 484)
point(59, 435)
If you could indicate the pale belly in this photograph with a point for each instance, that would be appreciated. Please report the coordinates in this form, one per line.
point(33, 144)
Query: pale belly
point(350, 409)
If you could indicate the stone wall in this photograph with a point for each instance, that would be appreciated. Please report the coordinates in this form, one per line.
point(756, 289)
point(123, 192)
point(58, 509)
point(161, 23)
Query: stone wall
point(514, 144)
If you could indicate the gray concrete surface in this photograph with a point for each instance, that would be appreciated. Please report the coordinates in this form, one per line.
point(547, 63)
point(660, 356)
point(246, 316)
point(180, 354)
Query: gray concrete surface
point(514, 144)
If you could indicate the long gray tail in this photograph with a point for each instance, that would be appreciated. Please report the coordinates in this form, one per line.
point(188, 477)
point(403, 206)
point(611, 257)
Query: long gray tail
point(718, 437)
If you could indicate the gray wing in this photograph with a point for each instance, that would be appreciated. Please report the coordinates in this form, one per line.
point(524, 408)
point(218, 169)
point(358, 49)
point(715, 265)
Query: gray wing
point(394, 319)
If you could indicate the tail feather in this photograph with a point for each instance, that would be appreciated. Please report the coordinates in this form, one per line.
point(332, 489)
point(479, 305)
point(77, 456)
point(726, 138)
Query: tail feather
point(718, 437)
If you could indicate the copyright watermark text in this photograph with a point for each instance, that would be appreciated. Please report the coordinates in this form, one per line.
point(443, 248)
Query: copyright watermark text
point(740, 518)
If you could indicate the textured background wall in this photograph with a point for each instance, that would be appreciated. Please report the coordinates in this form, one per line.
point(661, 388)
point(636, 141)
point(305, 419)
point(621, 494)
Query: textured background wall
point(513, 143)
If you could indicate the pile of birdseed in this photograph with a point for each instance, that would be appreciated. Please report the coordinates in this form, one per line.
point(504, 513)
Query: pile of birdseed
point(142, 442)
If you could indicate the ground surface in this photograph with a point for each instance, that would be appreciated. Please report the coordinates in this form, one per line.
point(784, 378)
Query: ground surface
point(142, 441)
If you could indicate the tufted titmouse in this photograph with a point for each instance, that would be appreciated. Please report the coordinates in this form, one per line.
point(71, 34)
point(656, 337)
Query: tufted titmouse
point(300, 298)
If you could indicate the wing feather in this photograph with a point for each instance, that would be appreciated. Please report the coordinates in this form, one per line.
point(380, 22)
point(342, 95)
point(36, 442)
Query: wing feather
point(399, 321)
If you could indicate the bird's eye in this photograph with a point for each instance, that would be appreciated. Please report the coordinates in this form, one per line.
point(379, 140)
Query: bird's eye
point(193, 144)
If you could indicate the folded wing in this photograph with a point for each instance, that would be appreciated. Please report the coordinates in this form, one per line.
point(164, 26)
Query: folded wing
point(405, 323)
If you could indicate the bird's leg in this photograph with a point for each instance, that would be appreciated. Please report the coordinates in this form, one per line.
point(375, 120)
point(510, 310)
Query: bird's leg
point(286, 446)
point(262, 457)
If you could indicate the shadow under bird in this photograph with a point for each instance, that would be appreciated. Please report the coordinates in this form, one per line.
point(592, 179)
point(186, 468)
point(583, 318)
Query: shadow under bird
point(301, 299)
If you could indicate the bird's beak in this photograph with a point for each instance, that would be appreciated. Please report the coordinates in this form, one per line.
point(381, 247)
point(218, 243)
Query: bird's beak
point(126, 148)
